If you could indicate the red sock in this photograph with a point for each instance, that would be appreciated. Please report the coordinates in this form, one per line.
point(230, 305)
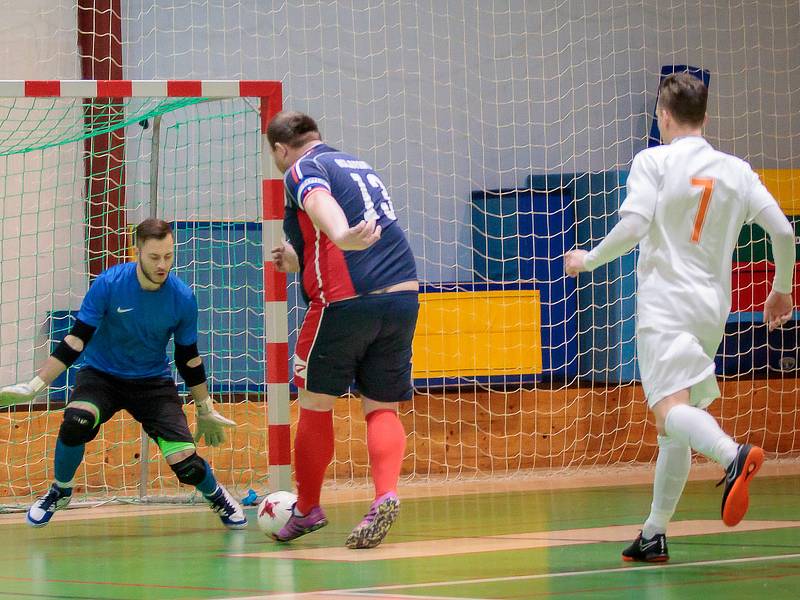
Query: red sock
point(313, 452)
point(386, 443)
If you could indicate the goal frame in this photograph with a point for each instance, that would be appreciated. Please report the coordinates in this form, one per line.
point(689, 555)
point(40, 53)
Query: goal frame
point(269, 97)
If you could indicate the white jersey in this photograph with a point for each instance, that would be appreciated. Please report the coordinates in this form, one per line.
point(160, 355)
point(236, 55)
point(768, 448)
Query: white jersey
point(696, 199)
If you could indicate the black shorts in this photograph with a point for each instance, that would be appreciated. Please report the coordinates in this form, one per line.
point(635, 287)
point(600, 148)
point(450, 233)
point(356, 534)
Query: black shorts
point(365, 339)
point(153, 402)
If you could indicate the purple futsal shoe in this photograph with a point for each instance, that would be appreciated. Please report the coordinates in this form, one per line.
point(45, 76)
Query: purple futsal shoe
point(297, 526)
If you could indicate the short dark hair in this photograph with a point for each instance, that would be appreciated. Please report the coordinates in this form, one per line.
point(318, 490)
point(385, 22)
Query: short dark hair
point(152, 229)
point(685, 97)
point(292, 128)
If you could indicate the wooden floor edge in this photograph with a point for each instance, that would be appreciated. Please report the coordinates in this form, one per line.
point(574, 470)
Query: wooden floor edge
point(535, 480)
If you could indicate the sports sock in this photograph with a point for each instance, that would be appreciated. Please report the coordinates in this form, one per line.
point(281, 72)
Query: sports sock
point(66, 462)
point(209, 484)
point(386, 443)
point(672, 471)
point(699, 430)
point(313, 452)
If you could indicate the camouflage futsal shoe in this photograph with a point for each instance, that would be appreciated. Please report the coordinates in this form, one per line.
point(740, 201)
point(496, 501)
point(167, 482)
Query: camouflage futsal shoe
point(376, 523)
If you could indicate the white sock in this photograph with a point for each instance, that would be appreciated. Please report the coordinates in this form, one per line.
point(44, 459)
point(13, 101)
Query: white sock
point(699, 430)
point(672, 471)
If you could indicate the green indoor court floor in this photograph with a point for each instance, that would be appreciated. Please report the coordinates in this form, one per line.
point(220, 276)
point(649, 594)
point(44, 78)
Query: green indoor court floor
point(537, 543)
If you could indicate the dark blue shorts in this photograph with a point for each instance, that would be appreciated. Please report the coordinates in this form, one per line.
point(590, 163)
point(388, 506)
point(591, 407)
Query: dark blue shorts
point(366, 340)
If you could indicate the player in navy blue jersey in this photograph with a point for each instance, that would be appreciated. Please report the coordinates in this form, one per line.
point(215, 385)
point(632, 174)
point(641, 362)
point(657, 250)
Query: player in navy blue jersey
point(126, 319)
point(359, 278)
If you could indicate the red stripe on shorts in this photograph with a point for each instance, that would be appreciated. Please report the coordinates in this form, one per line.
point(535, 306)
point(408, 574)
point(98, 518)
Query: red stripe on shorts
point(305, 342)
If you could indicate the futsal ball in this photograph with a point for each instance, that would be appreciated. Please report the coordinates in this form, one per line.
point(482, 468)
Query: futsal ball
point(274, 511)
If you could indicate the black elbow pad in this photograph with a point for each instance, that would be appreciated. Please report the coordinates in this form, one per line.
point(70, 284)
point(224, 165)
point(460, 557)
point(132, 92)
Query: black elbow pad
point(192, 376)
point(82, 331)
point(66, 353)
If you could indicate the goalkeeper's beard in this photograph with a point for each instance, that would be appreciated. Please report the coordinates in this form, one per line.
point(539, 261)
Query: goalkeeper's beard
point(153, 277)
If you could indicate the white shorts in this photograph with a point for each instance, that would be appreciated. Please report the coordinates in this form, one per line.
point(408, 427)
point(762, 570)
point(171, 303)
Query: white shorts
point(671, 361)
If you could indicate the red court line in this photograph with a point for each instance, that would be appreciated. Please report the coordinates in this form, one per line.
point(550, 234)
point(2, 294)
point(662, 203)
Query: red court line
point(140, 585)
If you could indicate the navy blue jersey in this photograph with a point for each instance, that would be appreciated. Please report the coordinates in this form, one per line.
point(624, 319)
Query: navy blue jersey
point(134, 325)
point(328, 273)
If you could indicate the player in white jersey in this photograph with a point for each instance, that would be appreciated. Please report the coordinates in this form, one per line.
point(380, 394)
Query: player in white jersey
point(685, 206)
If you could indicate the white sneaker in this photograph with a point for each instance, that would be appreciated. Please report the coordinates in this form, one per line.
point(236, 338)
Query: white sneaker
point(227, 508)
point(42, 510)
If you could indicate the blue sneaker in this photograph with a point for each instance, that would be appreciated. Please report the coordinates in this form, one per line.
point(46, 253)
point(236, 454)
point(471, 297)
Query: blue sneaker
point(41, 511)
point(229, 510)
point(376, 523)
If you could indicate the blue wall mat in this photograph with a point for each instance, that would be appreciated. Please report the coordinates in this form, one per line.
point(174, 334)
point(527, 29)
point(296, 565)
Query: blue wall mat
point(222, 262)
point(748, 349)
point(521, 235)
point(606, 299)
point(59, 323)
point(654, 139)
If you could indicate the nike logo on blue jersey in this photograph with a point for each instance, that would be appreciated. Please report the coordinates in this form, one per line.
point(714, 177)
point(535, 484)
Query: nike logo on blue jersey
point(123, 310)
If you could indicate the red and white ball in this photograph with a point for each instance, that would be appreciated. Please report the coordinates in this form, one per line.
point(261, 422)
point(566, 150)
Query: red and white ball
point(274, 511)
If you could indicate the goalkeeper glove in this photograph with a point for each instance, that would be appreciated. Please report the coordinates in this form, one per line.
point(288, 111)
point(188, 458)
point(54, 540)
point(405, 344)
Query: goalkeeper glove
point(210, 424)
point(21, 392)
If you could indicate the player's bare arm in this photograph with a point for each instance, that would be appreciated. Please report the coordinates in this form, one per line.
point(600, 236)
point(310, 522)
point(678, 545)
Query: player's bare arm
point(285, 258)
point(327, 215)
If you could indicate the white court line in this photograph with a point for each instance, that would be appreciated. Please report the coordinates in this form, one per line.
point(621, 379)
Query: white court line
point(380, 596)
point(699, 563)
point(379, 592)
point(345, 595)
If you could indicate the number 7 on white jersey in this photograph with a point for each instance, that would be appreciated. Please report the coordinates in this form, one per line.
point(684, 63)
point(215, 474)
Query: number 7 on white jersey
point(707, 184)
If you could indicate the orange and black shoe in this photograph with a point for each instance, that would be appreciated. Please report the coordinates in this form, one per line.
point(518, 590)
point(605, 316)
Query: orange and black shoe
point(735, 498)
point(652, 550)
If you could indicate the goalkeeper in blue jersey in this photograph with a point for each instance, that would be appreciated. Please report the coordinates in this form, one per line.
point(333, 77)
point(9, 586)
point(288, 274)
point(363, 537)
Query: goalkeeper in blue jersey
point(124, 324)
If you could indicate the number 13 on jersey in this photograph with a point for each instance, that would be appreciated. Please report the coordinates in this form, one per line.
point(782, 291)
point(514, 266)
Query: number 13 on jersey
point(369, 204)
point(707, 186)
